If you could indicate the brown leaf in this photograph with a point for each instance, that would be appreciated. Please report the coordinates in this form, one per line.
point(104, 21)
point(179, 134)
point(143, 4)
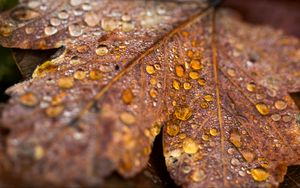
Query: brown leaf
point(130, 67)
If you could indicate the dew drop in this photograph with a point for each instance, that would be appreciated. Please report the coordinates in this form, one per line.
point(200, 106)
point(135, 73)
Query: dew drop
point(127, 96)
point(202, 82)
point(109, 24)
point(179, 70)
point(213, 132)
point(75, 30)
point(49, 30)
point(194, 75)
point(29, 30)
point(63, 15)
point(55, 22)
point(183, 113)
point(280, 105)
point(235, 162)
point(235, 139)
point(101, 50)
point(262, 108)
point(150, 69)
point(153, 93)
point(95, 75)
point(65, 82)
point(190, 146)
point(127, 118)
point(39, 152)
point(54, 111)
point(172, 128)
point(75, 2)
point(196, 65)
point(198, 175)
point(187, 86)
point(91, 19)
point(208, 98)
point(259, 174)
point(29, 99)
point(204, 105)
point(251, 86)
point(275, 117)
point(176, 84)
point(231, 72)
point(79, 75)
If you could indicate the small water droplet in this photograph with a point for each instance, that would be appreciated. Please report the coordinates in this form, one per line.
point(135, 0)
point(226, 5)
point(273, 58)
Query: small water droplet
point(235, 139)
point(102, 50)
point(208, 98)
point(189, 146)
point(251, 86)
point(150, 69)
point(198, 175)
point(194, 75)
point(75, 2)
point(63, 15)
point(55, 21)
point(213, 132)
point(275, 117)
point(172, 128)
point(127, 96)
point(196, 64)
point(75, 30)
point(39, 152)
point(95, 75)
point(187, 85)
point(127, 118)
point(235, 162)
point(91, 19)
point(153, 92)
point(65, 82)
point(54, 111)
point(109, 24)
point(176, 84)
point(79, 75)
point(202, 82)
point(262, 108)
point(259, 174)
point(280, 105)
point(204, 105)
point(29, 99)
point(49, 30)
point(183, 113)
point(231, 72)
point(179, 70)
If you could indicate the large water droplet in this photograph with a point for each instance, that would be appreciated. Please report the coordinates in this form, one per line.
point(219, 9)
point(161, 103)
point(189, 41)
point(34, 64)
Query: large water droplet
point(49, 30)
point(75, 30)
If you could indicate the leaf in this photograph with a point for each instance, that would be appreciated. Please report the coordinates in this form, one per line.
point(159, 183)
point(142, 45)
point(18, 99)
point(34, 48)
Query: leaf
point(130, 67)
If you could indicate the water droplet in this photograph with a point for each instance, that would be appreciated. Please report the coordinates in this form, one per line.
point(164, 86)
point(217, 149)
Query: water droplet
point(196, 65)
point(251, 86)
point(49, 30)
point(29, 99)
point(91, 19)
point(79, 75)
point(63, 15)
point(127, 118)
point(75, 2)
point(262, 108)
point(102, 50)
point(75, 61)
point(189, 146)
point(109, 24)
point(179, 70)
point(205, 137)
point(187, 85)
point(150, 69)
point(198, 175)
point(242, 173)
point(157, 66)
point(235, 139)
point(235, 162)
point(54, 111)
point(231, 72)
point(6, 29)
point(194, 75)
point(127, 27)
point(127, 96)
point(153, 81)
point(183, 113)
point(155, 129)
point(126, 18)
point(75, 30)
point(275, 117)
point(34, 4)
point(204, 105)
point(58, 99)
point(208, 98)
point(39, 152)
point(55, 22)
point(153, 93)
point(280, 105)
point(86, 6)
point(172, 128)
point(213, 132)
point(29, 30)
point(65, 82)
point(95, 75)
point(202, 82)
point(176, 84)
point(259, 174)
point(287, 118)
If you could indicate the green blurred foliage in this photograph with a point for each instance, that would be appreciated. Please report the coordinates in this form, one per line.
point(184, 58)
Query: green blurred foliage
point(6, 4)
point(9, 73)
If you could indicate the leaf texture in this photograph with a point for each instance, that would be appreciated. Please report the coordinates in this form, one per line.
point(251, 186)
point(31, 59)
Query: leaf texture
point(130, 67)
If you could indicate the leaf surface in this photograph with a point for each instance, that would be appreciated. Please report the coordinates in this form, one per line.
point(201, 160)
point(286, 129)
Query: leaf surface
point(131, 67)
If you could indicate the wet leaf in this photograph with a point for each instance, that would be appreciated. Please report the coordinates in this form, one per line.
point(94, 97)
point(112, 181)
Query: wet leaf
point(131, 67)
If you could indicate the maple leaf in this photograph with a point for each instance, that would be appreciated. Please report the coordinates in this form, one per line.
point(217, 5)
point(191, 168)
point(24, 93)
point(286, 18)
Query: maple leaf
point(129, 67)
